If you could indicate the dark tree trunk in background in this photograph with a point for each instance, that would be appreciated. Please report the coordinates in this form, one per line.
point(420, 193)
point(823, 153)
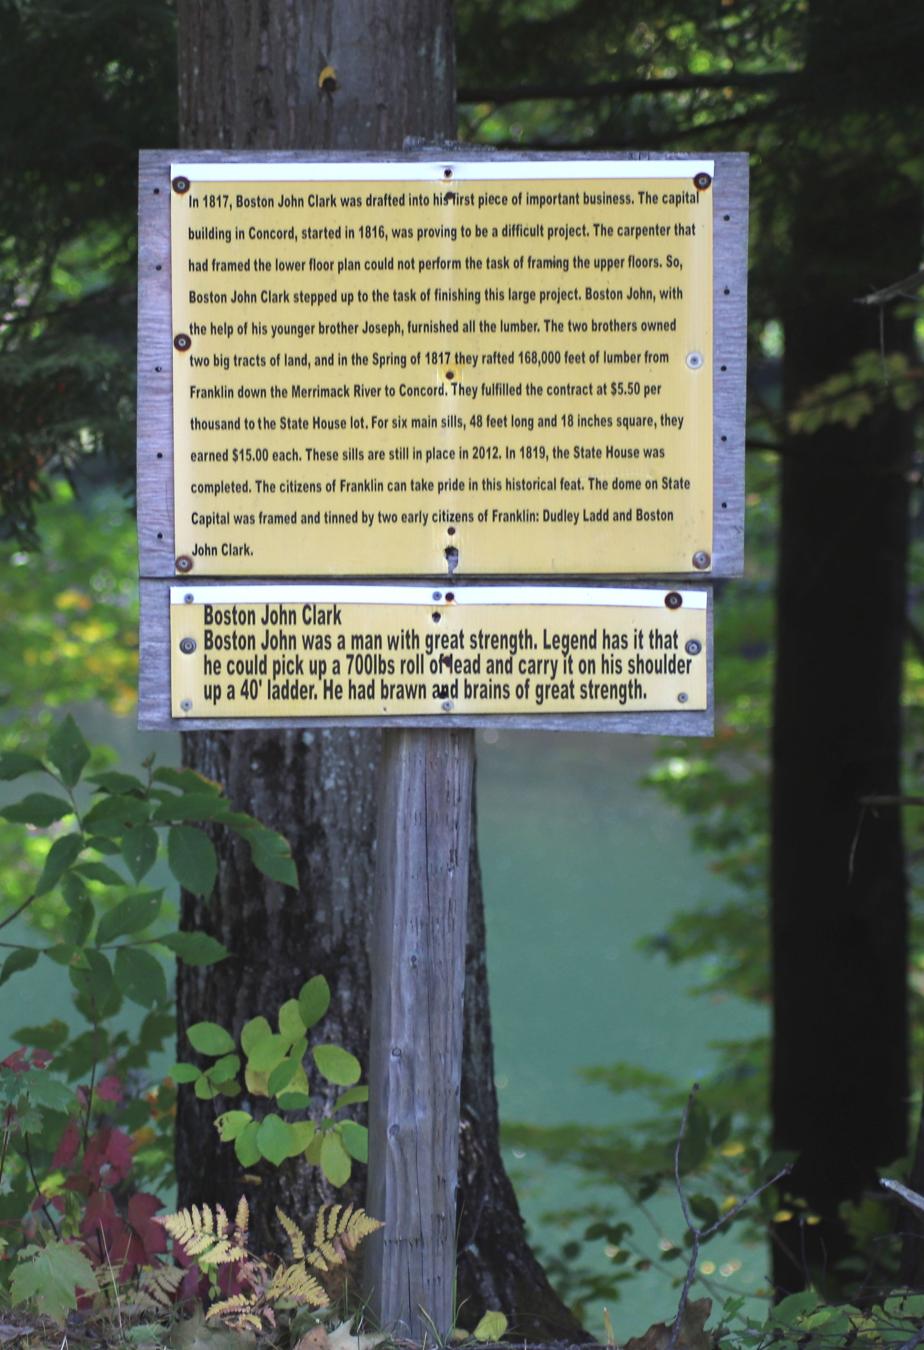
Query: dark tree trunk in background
point(249, 78)
point(840, 1083)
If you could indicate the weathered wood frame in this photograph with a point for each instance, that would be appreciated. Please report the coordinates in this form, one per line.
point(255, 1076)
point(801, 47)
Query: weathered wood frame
point(729, 193)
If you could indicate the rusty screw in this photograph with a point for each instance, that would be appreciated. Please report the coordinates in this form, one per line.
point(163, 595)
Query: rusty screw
point(673, 600)
point(184, 563)
point(180, 184)
point(702, 181)
point(182, 342)
point(701, 559)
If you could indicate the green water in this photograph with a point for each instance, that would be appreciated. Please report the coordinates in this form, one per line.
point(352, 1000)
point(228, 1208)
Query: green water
point(579, 862)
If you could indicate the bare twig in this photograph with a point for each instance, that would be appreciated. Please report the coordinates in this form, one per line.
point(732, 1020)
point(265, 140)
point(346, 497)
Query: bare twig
point(907, 1197)
point(899, 290)
point(38, 1190)
point(16, 912)
point(701, 1235)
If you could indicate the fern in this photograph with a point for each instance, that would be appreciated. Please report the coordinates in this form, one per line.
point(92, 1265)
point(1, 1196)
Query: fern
point(337, 1232)
point(158, 1287)
point(243, 1312)
point(208, 1237)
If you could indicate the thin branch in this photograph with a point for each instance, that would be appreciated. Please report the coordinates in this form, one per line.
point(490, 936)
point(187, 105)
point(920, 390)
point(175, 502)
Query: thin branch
point(891, 801)
point(16, 912)
point(38, 1190)
point(606, 88)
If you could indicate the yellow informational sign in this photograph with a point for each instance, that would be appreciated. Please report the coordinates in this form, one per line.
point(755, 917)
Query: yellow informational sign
point(382, 369)
point(356, 651)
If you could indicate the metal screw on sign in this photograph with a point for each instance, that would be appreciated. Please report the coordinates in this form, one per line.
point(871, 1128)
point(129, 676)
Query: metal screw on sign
point(701, 560)
point(673, 600)
point(188, 646)
point(182, 342)
point(447, 705)
point(180, 184)
point(682, 698)
point(694, 647)
point(186, 705)
point(695, 360)
point(701, 181)
point(447, 173)
point(188, 598)
point(184, 563)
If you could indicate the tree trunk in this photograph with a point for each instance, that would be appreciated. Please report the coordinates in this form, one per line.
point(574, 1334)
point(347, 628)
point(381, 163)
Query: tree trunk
point(250, 77)
point(840, 1079)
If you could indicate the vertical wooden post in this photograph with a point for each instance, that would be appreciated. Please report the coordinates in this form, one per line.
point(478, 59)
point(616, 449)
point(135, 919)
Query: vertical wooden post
point(415, 1058)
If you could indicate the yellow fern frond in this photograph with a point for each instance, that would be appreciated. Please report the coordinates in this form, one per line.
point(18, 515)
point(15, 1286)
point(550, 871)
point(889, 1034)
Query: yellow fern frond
point(195, 1231)
point(242, 1221)
point(297, 1285)
point(157, 1288)
point(294, 1234)
point(337, 1232)
point(239, 1312)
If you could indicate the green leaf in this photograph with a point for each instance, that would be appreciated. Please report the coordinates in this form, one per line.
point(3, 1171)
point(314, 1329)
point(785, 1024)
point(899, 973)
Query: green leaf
point(282, 1076)
point(491, 1327)
point(267, 1053)
point(50, 1276)
point(192, 859)
point(230, 1124)
point(114, 815)
point(13, 764)
point(336, 1064)
point(335, 1161)
point(185, 780)
point(23, 959)
point(60, 856)
point(68, 751)
point(292, 1101)
point(50, 1036)
point(204, 1088)
point(97, 871)
point(253, 1032)
point(131, 915)
point(192, 806)
point(93, 978)
point(313, 1000)
point(303, 1132)
point(355, 1140)
point(196, 949)
point(291, 1026)
point(351, 1097)
point(121, 783)
point(276, 1140)
point(210, 1039)
point(45, 1090)
point(271, 855)
point(140, 976)
point(38, 808)
point(183, 1073)
point(139, 850)
point(224, 1069)
point(245, 1145)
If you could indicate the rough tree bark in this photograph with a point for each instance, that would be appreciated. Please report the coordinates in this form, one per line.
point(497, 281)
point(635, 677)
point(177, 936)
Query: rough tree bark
point(840, 1081)
point(249, 77)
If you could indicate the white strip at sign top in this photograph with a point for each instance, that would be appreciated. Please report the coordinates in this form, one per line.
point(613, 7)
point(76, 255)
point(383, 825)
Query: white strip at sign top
point(292, 171)
point(641, 598)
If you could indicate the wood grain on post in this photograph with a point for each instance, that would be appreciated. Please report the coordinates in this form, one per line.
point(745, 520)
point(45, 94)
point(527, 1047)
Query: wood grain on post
point(418, 963)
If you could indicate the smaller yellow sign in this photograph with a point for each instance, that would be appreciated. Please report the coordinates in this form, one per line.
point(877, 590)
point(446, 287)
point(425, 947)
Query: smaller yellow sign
point(373, 651)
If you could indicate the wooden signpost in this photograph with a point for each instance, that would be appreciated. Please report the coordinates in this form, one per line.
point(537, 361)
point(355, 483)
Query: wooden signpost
point(430, 444)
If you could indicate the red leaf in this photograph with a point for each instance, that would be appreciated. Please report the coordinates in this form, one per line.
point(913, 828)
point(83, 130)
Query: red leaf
point(68, 1145)
point(108, 1158)
point(109, 1089)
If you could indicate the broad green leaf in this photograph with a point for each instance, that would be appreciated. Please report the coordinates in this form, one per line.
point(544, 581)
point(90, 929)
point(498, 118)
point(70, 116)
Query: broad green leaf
point(100, 844)
point(13, 764)
point(115, 815)
point(291, 1026)
point(230, 1124)
point(313, 1000)
point(254, 1031)
point(210, 1039)
point(93, 978)
point(192, 806)
point(122, 783)
point(192, 859)
point(276, 1139)
point(139, 850)
point(282, 1076)
point(50, 1277)
point(355, 1139)
point(38, 808)
point(131, 915)
point(224, 1069)
point(267, 1053)
point(46, 1090)
point(303, 1132)
point(336, 1064)
point(140, 976)
point(271, 855)
point(491, 1327)
point(246, 1149)
point(257, 1083)
point(22, 959)
point(68, 751)
point(183, 1073)
point(204, 1088)
point(335, 1161)
point(352, 1096)
point(50, 1036)
point(185, 780)
point(292, 1101)
point(196, 949)
point(97, 871)
point(60, 856)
